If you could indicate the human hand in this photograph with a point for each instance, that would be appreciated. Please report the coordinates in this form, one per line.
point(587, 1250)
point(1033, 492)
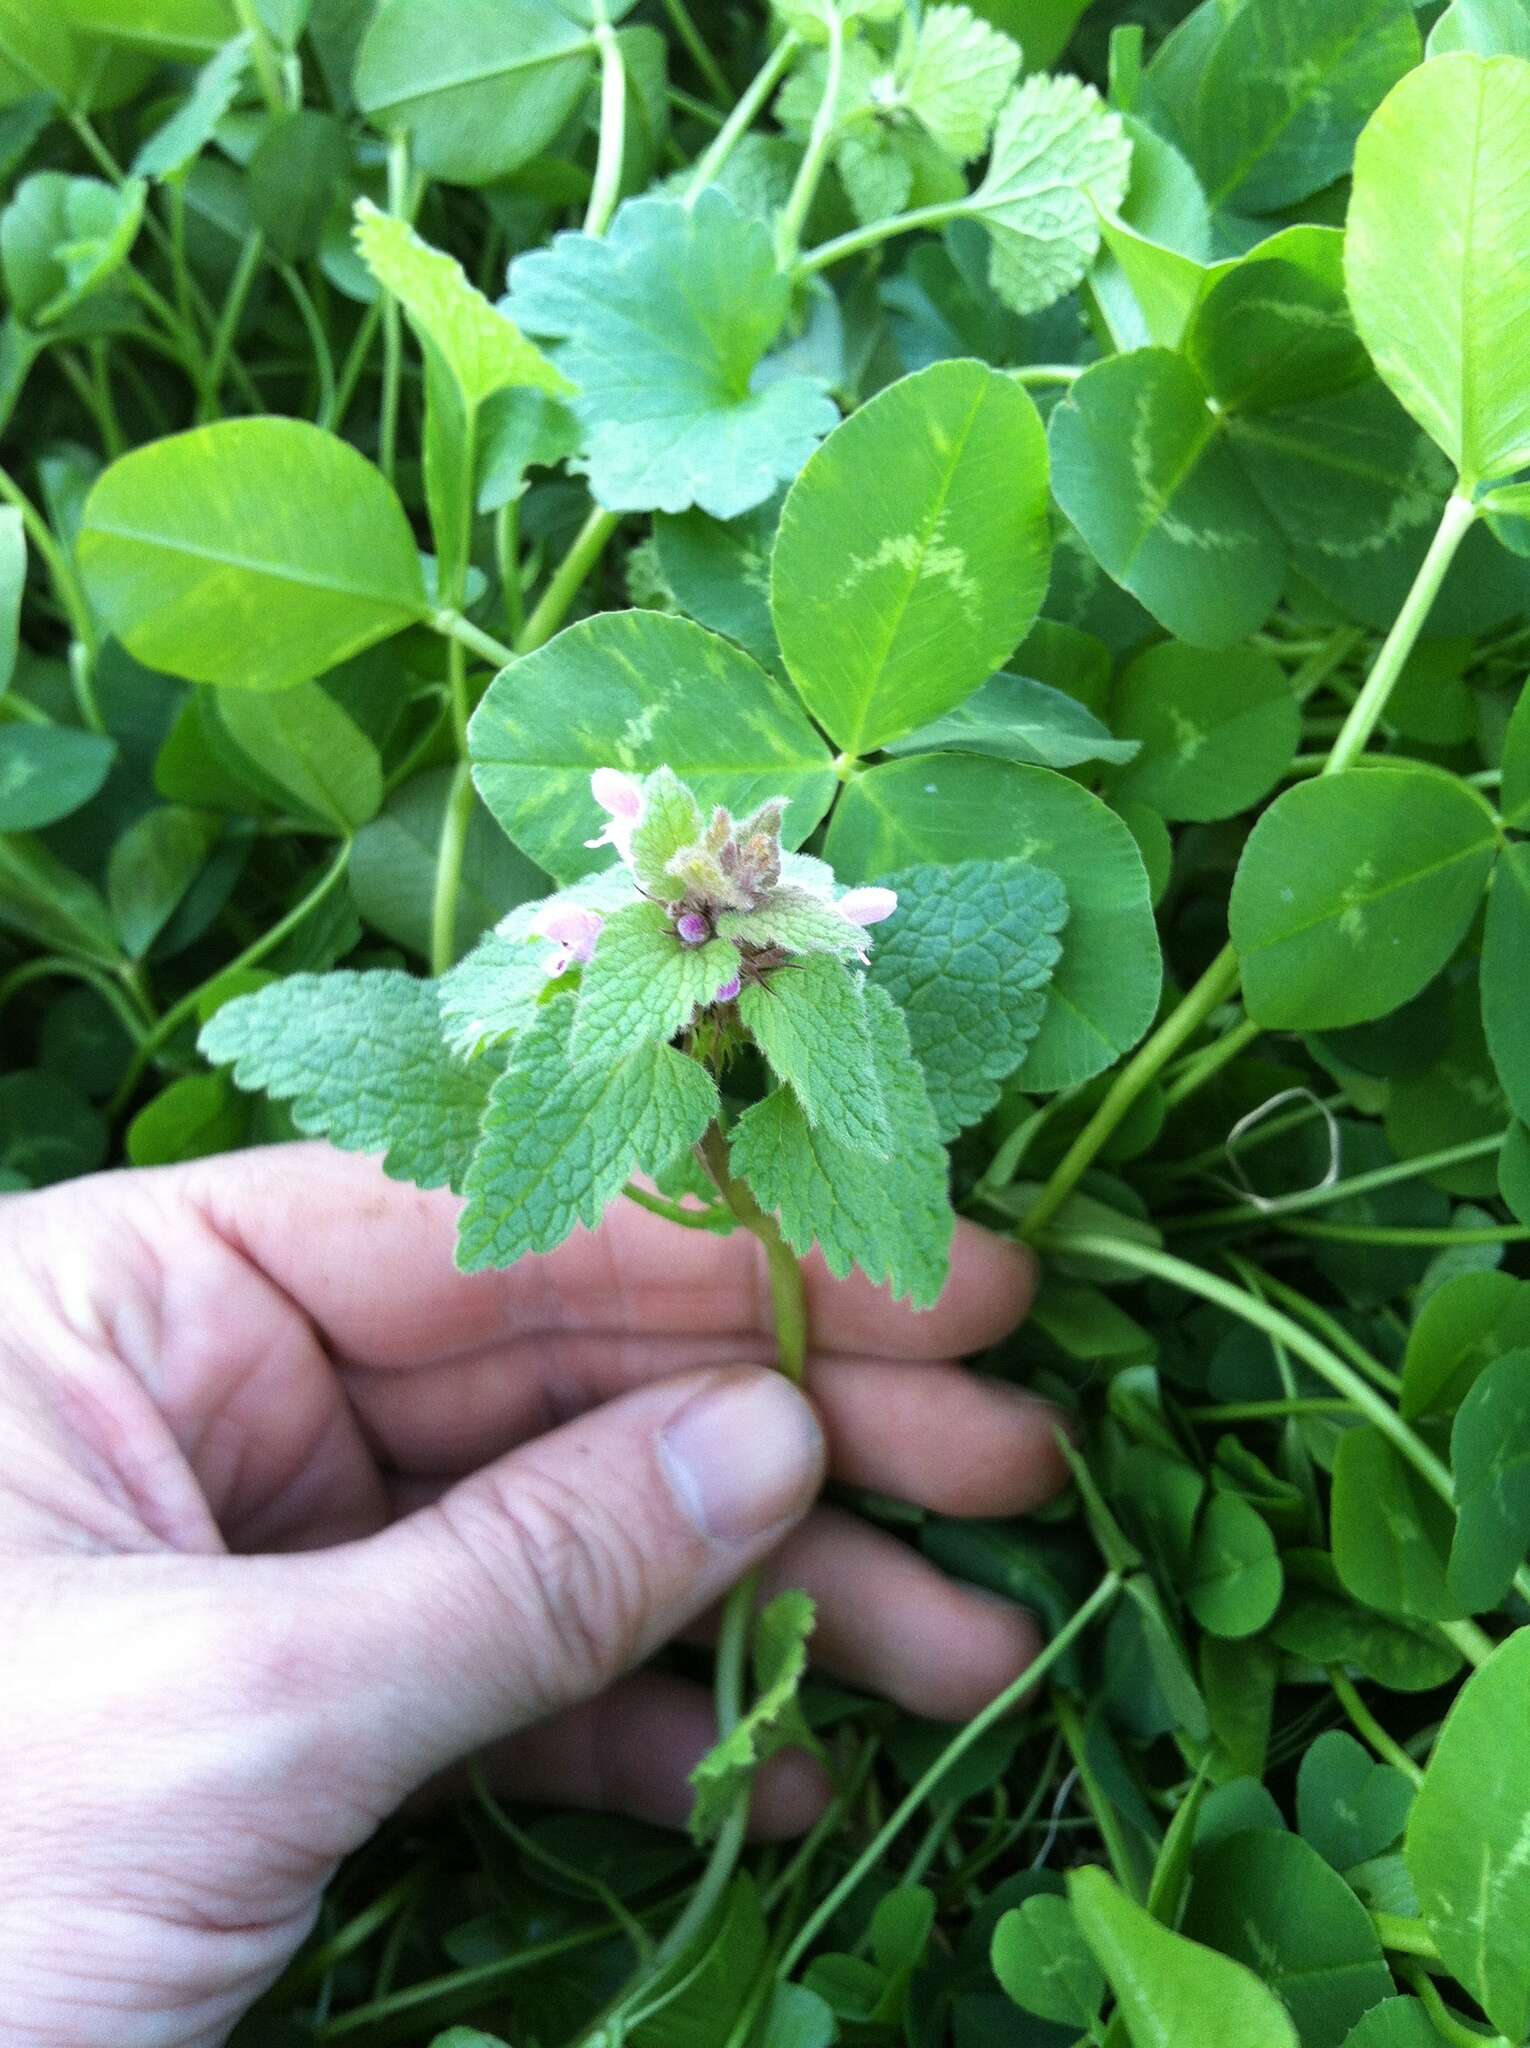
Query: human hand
point(292, 1516)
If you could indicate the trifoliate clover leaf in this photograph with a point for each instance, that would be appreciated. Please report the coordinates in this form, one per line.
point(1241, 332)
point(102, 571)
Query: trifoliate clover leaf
point(892, 1217)
point(670, 820)
point(644, 984)
point(484, 350)
point(774, 1722)
point(560, 1141)
point(495, 991)
point(361, 1060)
point(953, 73)
point(662, 324)
point(968, 959)
point(1058, 154)
point(809, 1019)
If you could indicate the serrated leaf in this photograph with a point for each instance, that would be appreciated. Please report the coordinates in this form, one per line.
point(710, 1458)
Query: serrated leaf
point(661, 324)
point(1060, 158)
point(495, 992)
point(811, 1022)
point(484, 350)
point(560, 1141)
point(774, 1721)
point(954, 73)
point(968, 957)
point(892, 1218)
point(361, 1060)
point(671, 819)
point(643, 985)
point(796, 919)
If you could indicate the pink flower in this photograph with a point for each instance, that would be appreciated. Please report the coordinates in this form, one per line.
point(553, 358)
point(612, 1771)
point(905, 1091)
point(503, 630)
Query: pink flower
point(573, 931)
point(867, 906)
point(621, 798)
point(692, 928)
point(728, 991)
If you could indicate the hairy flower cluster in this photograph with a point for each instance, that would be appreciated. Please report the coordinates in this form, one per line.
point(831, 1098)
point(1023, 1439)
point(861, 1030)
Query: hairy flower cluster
point(717, 878)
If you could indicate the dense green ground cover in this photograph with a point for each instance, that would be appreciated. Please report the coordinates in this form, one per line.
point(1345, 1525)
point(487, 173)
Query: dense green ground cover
point(1067, 451)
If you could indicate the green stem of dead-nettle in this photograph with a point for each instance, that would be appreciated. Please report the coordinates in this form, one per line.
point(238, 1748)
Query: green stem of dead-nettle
point(815, 158)
point(585, 550)
point(1220, 981)
point(742, 118)
point(606, 189)
point(392, 320)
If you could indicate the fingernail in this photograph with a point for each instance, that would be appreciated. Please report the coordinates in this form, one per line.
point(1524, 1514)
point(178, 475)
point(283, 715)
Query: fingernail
point(1050, 1414)
point(743, 1456)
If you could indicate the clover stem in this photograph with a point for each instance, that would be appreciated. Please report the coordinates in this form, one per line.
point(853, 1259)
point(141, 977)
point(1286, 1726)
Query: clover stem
point(816, 156)
point(585, 550)
point(739, 122)
point(392, 319)
point(454, 626)
point(606, 189)
point(1213, 989)
point(711, 71)
point(872, 1854)
point(1365, 713)
point(1386, 1747)
point(451, 848)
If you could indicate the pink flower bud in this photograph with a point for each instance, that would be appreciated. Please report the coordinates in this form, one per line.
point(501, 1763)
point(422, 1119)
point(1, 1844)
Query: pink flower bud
point(728, 990)
point(867, 906)
point(621, 797)
point(692, 928)
point(573, 931)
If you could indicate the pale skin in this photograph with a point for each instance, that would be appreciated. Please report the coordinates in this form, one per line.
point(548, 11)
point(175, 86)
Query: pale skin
point(293, 1518)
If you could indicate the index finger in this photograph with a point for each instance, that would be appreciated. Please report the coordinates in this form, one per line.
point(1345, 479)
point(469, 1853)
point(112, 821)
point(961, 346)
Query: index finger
point(369, 1261)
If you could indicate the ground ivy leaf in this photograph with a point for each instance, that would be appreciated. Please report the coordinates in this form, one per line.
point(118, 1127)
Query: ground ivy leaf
point(361, 1059)
point(484, 350)
point(1142, 467)
point(643, 984)
point(1434, 254)
point(1354, 891)
point(1490, 1459)
point(953, 74)
point(891, 1217)
point(661, 324)
point(650, 691)
point(1466, 1839)
point(774, 1722)
point(811, 1022)
point(913, 552)
point(968, 957)
point(560, 1141)
point(1171, 1990)
point(1060, 157)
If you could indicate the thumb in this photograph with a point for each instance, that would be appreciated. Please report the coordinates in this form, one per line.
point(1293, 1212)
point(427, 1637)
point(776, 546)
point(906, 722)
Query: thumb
point(538, 1581)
